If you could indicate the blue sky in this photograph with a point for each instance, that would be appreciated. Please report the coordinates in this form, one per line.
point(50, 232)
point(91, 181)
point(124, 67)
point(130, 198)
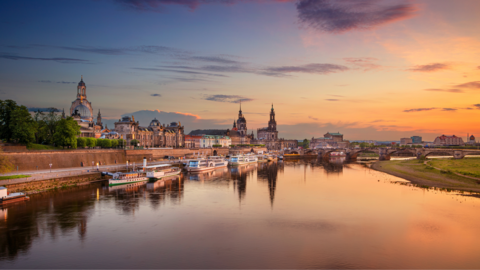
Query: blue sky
point(385, 71)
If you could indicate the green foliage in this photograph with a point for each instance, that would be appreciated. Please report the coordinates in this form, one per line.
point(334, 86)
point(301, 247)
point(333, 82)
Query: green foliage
point(100, 142)
point(134, 142)
point(35, 146)
point(81, 142)
point(66, 133)
point(91, 142)
point(122, 142)
point(217, 145)
point(306, 144)
point(114, 143)
point(6, 109)
point(22, 126)
point(13, 176)
point(106, 143)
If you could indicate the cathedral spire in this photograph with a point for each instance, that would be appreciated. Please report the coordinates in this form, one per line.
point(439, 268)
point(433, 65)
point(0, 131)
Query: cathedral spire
point(234, 123)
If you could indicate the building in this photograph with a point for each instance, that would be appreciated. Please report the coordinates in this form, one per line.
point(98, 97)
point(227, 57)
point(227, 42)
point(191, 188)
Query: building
point(404, 141)
point(81, 111)
point(416, 139)
point(329, 140)
point(155, 135)
point(471, 140)
point(192, 141)
point(448, 141)
point(269, 136)
point(208, 141)
point(238, 134)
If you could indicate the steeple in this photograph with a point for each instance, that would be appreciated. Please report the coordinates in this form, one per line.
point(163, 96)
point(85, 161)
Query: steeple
point(63, 113)
point(99, 119)
point(240, 111)
point(272, 124)
point(234, 124)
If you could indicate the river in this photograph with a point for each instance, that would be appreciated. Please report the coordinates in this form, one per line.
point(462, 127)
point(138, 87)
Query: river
point(292, 214)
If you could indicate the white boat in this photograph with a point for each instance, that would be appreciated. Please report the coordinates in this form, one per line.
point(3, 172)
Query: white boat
point(240, 160)
point(121, 178)
point(160, 171)
point(206, 164)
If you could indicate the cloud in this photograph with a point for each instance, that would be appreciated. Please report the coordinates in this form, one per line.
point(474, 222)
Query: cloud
point(66, 82)
point(227, 98)
point(155, 95)
point(430, 67)
point(478, 67)
point(445, 90)
point(313, 118)
point(332, 99)
point(213, 59)
point(35, 109)
point(179, 71)
point(419, 109)
point(471, 85)
point(364, 63)
point(55, 59)
point(151, 49)
point(335, 16)
point(45, 81)
point(309, 68)
point(477, 106)
point(160, 5)
point(449, 109)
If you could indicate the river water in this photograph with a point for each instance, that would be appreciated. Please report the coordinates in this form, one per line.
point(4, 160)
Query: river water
point(292, 214)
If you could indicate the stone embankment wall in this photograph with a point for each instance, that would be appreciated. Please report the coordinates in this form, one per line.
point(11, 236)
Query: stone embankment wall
point(29, 160)
point(37, 186)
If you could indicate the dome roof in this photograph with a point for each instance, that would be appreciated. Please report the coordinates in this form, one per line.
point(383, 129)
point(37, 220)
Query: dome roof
point(472, 137)
point(173, 124)
point(126, 119)
point(155, 122)
point(83, 110)
point(241, 120)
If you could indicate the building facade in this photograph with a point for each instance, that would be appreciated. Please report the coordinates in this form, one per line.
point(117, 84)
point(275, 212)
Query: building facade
point(448, 141)
point(404, 141)
point(154, 135)
point(208, 141)
point(329, 140)
point(81, 111)
point(416, 139)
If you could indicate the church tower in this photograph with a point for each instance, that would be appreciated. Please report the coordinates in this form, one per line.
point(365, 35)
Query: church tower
point(81, 90)
point(272, 124)
point(81, 107)
point(99, 119)
point(241, 122)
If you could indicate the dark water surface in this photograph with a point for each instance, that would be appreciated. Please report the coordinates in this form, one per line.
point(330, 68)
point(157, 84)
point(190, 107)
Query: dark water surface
point(275, 215)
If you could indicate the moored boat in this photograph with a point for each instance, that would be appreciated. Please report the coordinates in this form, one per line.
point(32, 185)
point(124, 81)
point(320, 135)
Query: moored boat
point(206, 164)
point(161, 171)
point(121, 178)
point(242, 159)
point(6, 198)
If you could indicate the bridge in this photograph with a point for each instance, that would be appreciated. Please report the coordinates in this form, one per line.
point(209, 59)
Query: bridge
point(385, 153)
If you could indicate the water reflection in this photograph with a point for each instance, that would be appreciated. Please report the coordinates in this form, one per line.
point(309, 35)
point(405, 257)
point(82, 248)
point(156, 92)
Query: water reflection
point(294, 216)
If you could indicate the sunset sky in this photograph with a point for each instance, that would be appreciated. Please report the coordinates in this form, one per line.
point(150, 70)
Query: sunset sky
point(371, 69)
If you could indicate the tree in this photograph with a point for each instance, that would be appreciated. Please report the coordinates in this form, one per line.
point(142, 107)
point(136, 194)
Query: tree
point(22, 126)
point(91, 142)
point(99, 142)
point(122, 142)
point(106, 143)
point(134, 142)
point(5, 163)
point(66, 133)
point(114, 143)
point(306, 144)
point(6, 109)
point(81, 142)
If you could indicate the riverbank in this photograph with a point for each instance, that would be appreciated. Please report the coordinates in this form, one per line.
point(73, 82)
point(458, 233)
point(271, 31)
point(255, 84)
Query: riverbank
point(422, 175)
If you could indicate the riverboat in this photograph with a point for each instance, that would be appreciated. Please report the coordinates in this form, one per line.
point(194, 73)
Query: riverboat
point(121, 178)
point(206, 164)
point(240, 160)
point(160, 171)
point(262, 158)
point(6, 198)
point(288, 156)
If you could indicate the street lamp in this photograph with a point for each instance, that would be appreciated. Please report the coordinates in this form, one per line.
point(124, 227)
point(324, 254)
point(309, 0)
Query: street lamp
point(50, 167)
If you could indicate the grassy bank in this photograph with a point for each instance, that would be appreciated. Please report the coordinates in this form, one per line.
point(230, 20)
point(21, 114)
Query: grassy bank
point(13, 176)
point(466, 166)
point(426, 176)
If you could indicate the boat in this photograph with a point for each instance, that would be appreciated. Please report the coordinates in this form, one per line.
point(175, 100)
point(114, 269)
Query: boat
point(288, 156)
point(6, 198)
point(121, 178)
point(262, 158)
point(280, 157)
point(160, 171)
point(240, 160)
point(206, 164)
point(271, 157)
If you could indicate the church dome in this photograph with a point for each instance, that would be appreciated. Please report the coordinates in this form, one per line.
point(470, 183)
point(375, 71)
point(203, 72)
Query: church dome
point(472, 138)
point(83, 110)
point(155, 122)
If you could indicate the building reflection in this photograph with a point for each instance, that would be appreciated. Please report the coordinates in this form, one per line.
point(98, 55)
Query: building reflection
point(52, 213)
point(269, 173)
point(167, 189)
point(239, 175)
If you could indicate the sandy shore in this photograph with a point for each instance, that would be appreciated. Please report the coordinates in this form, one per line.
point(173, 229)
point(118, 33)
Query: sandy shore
point(417, 174)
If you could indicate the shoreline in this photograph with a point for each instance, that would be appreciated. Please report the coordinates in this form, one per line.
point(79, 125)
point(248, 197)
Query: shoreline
point(430, 179)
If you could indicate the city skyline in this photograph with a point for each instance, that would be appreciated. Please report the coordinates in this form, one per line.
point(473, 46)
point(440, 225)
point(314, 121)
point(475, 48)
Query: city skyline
point(383, 74)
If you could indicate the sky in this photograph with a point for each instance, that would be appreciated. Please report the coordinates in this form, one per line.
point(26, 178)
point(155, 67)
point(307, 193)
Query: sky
point(370, 69)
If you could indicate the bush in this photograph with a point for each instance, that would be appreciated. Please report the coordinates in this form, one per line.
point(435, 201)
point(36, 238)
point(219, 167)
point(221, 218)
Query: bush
point(122, 142)
point(217, 145)
point(106, 143)
point(91, 142)
point(134, 142)
point(114, 143)
point(100, 142)
point(81, 142)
